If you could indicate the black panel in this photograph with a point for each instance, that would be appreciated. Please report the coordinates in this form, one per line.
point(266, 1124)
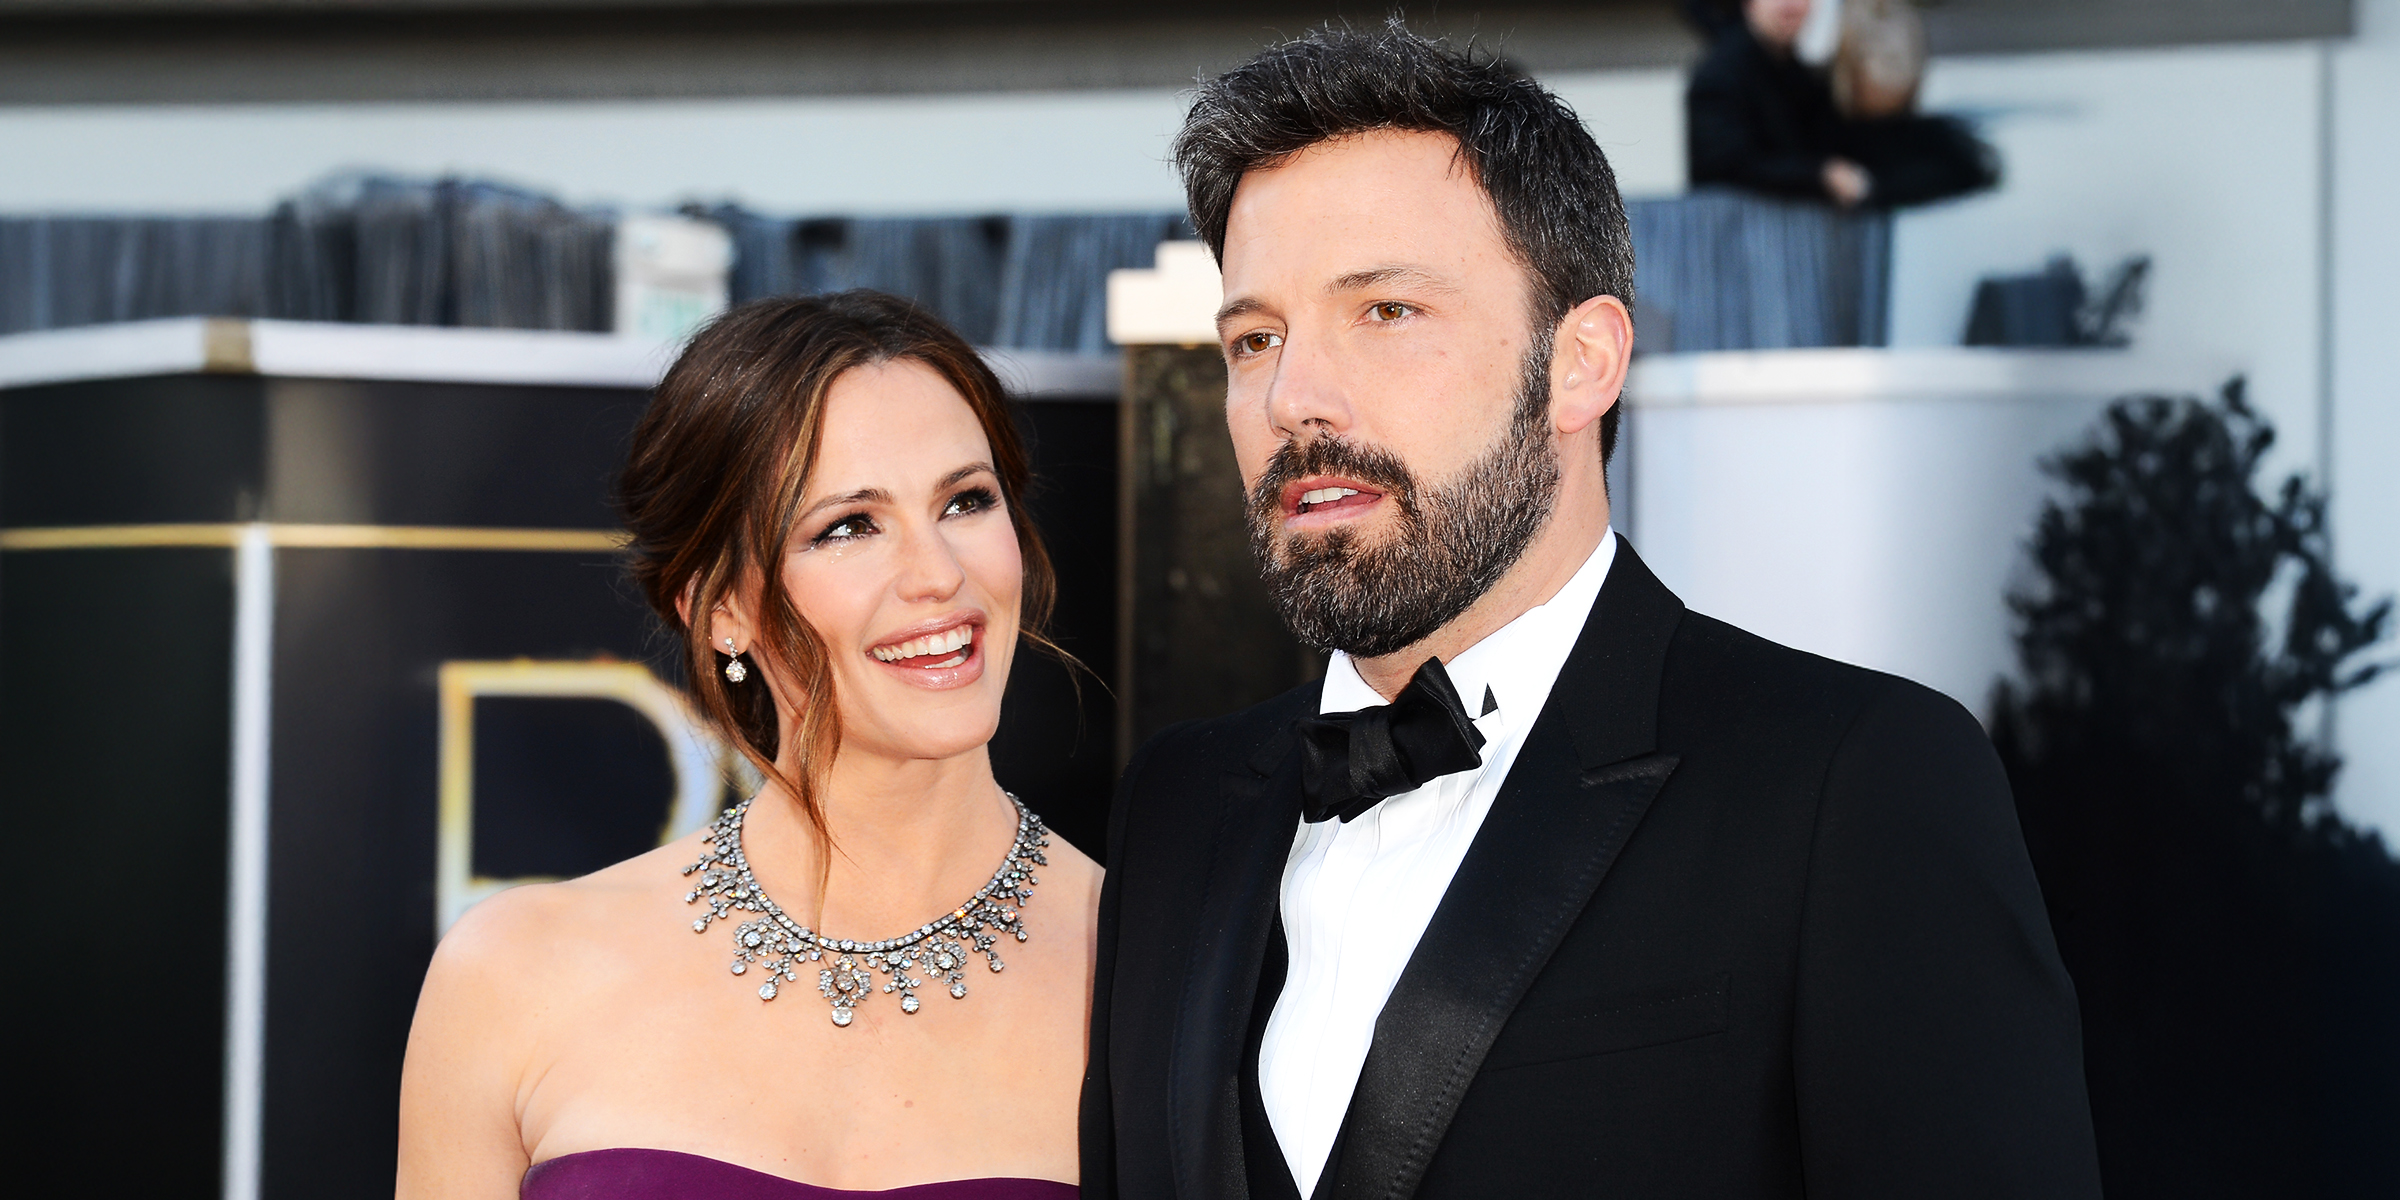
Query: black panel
point(388, 453)
point(132, 451)
point(1056, 745)
point(564, 787)
point(114, 693)
point(359, 637)
point(1207, 638)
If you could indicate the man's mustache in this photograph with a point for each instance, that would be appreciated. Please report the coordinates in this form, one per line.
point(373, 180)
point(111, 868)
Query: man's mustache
point(1331, 455)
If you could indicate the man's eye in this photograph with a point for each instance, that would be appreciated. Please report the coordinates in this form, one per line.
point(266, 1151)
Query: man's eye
point(1389, 310)
point(1257, 343)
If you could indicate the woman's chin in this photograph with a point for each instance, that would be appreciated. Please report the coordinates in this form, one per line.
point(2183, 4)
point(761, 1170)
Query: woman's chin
point(933, 711)
point(920, 735)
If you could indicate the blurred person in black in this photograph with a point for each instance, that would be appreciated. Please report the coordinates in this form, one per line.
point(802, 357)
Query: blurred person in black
point(1764, 121)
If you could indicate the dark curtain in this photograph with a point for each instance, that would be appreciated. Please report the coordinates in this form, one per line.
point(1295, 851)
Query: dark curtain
point(1724, 270)
point(1719, 270)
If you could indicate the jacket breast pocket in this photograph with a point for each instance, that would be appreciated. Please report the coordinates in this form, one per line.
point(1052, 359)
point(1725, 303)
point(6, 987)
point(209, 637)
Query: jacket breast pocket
point(1581, 1028)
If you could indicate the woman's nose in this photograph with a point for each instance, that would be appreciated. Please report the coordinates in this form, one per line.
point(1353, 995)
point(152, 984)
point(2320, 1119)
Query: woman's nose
point(930, 569)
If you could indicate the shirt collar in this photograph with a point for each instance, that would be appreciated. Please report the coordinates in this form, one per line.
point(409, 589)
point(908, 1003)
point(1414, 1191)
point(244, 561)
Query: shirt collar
point(1517, 662)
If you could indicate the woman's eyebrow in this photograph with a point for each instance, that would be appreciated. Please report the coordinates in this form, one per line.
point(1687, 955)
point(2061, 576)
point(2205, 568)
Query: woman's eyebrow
point(861, 496)
point(963, 474)
point(880, 496)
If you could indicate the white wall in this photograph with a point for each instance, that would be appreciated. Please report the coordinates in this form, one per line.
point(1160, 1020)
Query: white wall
point(2203, 158)
point(1085, 150)
point(2213, 160)
point(1637, 117)
point(1078, 150)
point(1866, 505)
point(2366, 384)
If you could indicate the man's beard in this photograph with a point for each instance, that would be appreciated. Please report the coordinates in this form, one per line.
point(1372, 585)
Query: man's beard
point(1447, 547)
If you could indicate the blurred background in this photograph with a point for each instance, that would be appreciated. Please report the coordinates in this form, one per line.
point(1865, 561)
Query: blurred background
point(2035, 350)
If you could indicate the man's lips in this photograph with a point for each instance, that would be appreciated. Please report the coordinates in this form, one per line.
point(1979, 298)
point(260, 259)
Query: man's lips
point(1327, 498)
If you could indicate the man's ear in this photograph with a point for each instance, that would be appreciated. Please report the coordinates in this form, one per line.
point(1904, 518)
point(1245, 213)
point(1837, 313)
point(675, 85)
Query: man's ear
point(1590, 353)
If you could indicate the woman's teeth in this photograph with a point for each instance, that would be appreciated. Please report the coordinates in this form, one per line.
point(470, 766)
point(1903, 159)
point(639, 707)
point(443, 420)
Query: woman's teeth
point(950, 642)
point(1310, 499)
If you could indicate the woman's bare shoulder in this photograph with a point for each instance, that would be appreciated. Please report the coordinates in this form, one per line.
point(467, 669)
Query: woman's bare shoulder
point(554, 935)
point(1071, 872)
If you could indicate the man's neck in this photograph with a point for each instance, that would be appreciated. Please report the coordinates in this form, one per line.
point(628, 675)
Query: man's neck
point(1556, 553)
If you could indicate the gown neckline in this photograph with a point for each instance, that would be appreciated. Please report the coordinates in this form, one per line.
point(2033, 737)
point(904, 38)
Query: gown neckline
point(1018, 1188)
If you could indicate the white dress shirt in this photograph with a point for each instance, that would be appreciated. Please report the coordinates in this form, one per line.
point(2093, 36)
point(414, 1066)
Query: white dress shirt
point(1358, 895)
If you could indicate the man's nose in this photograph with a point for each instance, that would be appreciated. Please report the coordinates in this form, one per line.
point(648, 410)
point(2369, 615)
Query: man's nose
point(1307, 396)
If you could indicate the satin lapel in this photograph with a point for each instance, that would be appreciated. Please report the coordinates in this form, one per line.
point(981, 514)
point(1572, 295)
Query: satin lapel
point(1237, 916)
point(1579, 788)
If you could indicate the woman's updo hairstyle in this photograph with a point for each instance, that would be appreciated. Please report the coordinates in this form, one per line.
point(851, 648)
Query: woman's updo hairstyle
point(713, 484)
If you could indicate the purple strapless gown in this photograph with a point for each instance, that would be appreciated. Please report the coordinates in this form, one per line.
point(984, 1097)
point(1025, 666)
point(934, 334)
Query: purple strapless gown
point(672, 1175)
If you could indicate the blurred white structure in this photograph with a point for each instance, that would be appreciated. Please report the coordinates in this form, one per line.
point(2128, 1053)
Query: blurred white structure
point(671, 275)
point(1867, 505)
point(1173, 303)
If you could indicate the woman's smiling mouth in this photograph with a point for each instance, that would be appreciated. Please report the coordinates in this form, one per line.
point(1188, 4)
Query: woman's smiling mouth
point(948, 649)
point(946, 656)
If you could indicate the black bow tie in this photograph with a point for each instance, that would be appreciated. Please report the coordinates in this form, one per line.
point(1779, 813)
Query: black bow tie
point(1349, 762)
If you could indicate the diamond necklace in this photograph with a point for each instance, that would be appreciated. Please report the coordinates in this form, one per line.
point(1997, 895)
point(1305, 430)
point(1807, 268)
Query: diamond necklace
point(779, 945)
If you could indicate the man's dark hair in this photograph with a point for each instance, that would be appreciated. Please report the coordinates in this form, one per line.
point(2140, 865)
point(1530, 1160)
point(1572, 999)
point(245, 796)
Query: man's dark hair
point(1556, 197)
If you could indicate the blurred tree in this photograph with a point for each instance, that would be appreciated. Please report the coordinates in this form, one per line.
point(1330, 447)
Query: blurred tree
point(2235, 946)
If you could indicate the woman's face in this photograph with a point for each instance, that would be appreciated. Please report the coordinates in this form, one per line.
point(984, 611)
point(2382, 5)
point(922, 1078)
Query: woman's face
point(905, 563)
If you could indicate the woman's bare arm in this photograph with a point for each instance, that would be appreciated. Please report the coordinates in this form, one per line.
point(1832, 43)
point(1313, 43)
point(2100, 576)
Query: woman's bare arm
point(467, 1050)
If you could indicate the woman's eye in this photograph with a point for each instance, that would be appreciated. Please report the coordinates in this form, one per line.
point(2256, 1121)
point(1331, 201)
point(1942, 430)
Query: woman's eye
point(847, 529)
point(974, 500)
point(1257, 342)
point(1389, 310)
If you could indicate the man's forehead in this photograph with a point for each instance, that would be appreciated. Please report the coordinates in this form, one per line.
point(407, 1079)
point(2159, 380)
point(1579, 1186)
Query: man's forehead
point(1365, 205)
point(1382, 166)
point(1412, 231)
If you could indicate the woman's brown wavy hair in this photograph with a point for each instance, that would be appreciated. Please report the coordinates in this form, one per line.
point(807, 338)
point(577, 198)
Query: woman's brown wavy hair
point(713, 484)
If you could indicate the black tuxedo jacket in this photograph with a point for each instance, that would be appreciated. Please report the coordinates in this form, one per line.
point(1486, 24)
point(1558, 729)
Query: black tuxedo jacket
point(1741, 922)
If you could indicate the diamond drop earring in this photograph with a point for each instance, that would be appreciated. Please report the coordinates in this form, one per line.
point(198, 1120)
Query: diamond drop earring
point(735, 672)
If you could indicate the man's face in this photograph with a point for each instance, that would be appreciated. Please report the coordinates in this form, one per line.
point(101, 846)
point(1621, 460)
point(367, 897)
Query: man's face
point(1776, 22)
point(1387, 393)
